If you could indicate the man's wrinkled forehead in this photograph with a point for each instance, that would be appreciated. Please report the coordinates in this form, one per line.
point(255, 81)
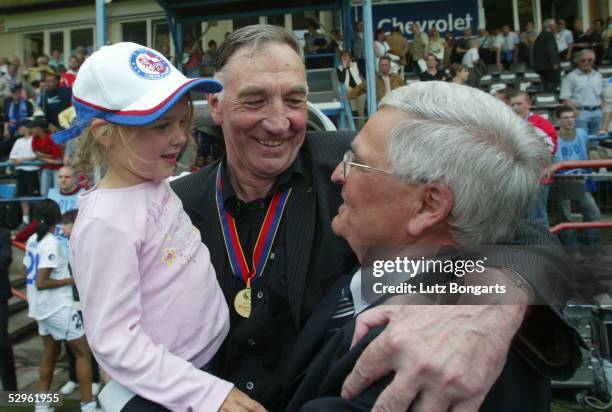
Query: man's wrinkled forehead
point(250, 57)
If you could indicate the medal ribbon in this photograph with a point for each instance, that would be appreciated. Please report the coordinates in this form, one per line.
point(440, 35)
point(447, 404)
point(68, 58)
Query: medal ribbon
point(265, 239)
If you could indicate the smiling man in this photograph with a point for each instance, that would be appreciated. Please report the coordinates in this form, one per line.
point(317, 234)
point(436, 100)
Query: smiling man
point(265, 213)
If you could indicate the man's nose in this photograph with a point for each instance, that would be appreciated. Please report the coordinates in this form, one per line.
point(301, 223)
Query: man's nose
point(338, 174)
point(276, 121)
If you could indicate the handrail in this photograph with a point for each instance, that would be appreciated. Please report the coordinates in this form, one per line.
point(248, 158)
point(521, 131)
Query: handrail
point(18, 294)
point(580, 225)
point(10, 163)
point(581, 164)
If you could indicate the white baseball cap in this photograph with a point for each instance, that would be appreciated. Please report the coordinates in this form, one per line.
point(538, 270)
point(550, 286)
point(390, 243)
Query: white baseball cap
point(128, 84)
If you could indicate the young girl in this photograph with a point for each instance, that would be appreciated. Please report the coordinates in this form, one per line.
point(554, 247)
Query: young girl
point(49, 288)
point(154, 312)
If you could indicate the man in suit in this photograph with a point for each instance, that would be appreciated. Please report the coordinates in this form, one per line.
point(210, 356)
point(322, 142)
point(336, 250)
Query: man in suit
point(401, 187)
point(270, 160)
point(546, 60)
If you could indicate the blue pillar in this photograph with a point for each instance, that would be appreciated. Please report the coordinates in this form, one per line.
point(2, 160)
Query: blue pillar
point(368, 44)
point(100, 23)
point(347, 24)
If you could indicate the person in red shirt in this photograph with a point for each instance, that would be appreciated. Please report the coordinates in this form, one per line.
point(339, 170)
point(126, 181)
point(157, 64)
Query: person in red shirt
point(47, 151)
point(68, 78)
point(520, 103)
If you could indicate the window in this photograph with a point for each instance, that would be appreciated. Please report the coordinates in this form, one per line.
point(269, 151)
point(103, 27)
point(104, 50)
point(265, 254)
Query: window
point(32, 47)
point(135, 31)
point(245, 21)
point(161, 37)
point(278, 20)
point(81, 38)
point(56, 40)
point(300, 20)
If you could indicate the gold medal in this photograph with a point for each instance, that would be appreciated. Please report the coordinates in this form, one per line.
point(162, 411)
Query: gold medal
point(242, 302)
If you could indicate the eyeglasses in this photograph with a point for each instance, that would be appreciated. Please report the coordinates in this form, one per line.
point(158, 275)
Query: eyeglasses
point(586, 60)
point(347, 159)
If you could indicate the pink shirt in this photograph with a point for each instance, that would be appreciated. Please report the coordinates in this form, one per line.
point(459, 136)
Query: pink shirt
point(154, 312)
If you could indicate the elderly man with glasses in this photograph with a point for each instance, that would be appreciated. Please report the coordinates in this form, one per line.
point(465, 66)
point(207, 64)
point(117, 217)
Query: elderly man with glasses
point(270, 160)
point(439, 166)
point(582, 90)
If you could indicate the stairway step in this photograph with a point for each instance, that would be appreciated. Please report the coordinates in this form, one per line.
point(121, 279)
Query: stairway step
point(20, 325)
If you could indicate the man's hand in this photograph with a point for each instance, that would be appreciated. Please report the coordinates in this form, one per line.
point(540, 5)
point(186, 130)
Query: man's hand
point(448, 356)
point(238, 401)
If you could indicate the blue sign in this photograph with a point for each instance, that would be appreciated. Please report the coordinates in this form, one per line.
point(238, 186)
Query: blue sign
point(445, 15)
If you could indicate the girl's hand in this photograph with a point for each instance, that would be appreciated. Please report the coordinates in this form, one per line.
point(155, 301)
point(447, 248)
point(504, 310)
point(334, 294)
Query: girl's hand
point(238, 401)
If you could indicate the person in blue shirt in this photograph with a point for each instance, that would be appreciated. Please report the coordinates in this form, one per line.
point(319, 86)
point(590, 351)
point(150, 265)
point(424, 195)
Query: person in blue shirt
point(572, 146)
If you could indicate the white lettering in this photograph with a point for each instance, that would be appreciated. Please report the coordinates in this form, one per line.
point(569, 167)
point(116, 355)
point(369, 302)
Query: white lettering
point(441, 26)
point(459, 24)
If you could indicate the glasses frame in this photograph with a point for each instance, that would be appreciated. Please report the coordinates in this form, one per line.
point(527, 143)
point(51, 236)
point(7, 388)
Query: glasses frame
point(347, 160)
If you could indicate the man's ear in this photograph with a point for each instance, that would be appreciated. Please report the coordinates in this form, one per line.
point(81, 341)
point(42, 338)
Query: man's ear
point(436, 204)
point(215, 108)
point(98, 133)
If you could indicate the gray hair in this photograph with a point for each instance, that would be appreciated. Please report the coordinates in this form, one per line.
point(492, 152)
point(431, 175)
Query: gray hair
point(256, 36)
point(548, 23)
point(475, 145)
point(582, 53)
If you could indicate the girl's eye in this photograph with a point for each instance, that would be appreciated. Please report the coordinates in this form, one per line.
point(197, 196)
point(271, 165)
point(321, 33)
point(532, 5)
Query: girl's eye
point(160, 126)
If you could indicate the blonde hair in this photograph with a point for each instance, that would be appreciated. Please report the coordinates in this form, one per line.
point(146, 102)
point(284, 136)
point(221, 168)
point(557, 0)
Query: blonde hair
point(90, 153)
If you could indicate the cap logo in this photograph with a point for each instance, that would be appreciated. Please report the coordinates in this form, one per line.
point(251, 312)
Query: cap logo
point(149, 65)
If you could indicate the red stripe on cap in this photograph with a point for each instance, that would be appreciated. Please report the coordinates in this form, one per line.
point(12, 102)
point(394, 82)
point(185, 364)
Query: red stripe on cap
point(134, 112)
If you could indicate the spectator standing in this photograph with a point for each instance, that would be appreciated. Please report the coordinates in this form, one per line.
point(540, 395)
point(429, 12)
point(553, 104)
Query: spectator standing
point(525, 47)
point(16, 109)
point(581, 40)
point(506, 45)
point(419, 48)
point(358, 47)
point(336, 43)
point(471, 59)
point(315, 41)
point(57, 59)
point(382, 48)
point(461, 44)
point(27, 175)
point(8, 376)
point(54, 99)
point(486, 46)
point(565, 40)
point(349, 76)
point(573, 145)
point(47, 151)
point(582, 90)
point(208, 60)
point(546, 60)
point(436, 44)
point(399, 46)
point(49, 288)
point(67, 79)
point(520, 103)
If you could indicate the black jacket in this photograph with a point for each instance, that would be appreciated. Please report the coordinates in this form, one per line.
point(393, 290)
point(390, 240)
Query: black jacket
point(6, 257)
point(545, 52)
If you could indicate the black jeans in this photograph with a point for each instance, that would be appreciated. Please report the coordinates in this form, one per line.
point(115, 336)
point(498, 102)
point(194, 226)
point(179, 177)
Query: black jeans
point(7, 361)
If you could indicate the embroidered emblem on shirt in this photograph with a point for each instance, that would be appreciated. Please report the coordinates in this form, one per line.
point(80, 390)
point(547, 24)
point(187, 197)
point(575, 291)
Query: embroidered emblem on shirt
point(169, 256)
point(51, 257)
